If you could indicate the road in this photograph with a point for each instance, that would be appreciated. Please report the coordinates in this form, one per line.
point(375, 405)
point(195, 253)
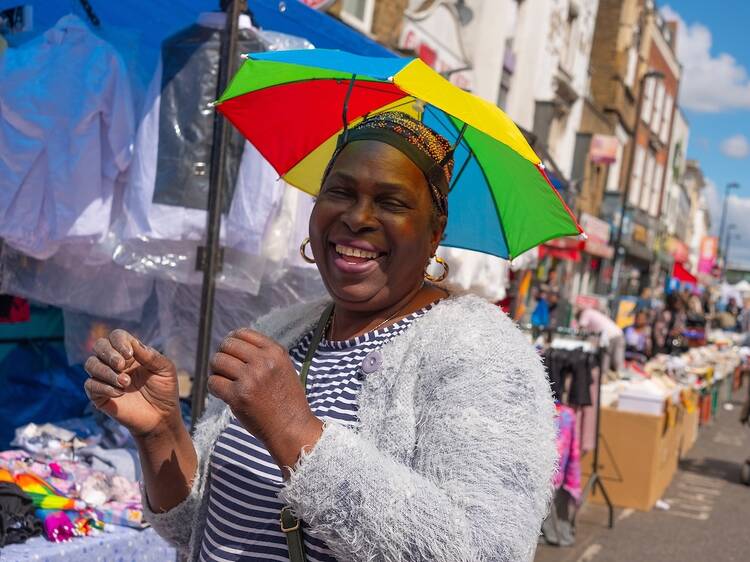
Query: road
point(709, 515)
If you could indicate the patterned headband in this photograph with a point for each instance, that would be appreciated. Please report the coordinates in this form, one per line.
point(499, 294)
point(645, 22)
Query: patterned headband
point(430, 151)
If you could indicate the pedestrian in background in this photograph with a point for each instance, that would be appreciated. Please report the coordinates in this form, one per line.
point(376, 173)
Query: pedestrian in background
point(595, 321)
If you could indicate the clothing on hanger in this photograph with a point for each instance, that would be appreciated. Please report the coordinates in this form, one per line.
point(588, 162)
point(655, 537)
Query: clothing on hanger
point(570, 369)
point(65, 137)
point(154, 210)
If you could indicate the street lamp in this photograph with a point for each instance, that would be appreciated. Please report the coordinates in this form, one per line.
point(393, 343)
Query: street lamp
point(725, 253)
point(726, 261)
point(658, 75)
point(729, 186)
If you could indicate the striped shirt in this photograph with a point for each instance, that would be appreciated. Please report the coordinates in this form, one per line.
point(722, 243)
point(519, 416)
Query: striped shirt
point(244, 481)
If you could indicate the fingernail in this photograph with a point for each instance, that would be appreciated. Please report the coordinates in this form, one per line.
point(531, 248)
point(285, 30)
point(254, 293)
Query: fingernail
point(124, 380)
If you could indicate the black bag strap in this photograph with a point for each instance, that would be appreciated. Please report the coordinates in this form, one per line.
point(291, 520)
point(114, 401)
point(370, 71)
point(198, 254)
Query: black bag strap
point(290, 525)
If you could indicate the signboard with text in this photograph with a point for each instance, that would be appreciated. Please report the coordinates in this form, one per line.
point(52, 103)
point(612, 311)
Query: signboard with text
point(435, 39)
point(597, 231)
point(318, 4)
point(603, 149)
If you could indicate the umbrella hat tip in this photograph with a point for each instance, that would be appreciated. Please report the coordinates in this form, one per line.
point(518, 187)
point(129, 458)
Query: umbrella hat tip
point(244, 56)
point(583, 237)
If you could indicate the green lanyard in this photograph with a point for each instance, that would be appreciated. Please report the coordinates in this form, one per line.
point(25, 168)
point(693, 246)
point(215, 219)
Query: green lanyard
point(290, 525)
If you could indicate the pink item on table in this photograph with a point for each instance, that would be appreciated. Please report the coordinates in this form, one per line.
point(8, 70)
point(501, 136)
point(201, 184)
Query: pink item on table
point(58, 527)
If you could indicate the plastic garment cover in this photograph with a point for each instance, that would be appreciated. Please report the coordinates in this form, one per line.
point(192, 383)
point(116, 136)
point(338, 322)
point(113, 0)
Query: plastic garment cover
point(68, 281)
point(179, 310)
point(82, 330)
point(66, 135)
point(190, 64)
point(162, 239)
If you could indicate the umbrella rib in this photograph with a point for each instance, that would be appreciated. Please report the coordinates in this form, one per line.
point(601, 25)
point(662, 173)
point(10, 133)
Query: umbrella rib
point(484, 175)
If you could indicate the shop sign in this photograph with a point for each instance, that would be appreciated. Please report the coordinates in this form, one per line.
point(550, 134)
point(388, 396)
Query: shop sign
point(603, 149)
point(626, 311)
point(708, 252)
point(597, 231)
point(640, 234)
point(436, 41)
point(318, 4)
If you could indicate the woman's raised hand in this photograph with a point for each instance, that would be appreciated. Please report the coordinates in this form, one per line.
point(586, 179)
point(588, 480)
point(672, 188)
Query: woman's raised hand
point(132, 383)
point(256, 378)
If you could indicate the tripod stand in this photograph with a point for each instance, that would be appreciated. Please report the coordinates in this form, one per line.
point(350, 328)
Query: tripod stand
point(595, 480)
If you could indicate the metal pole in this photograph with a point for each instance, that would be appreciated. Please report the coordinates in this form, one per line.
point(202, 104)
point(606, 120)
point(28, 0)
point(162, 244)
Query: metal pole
point(723, 218)
point(730, 185)
point(210, 262)
point(725, 265)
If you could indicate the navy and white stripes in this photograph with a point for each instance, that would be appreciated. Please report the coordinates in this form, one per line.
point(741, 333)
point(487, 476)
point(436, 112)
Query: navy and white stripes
point(244, 481)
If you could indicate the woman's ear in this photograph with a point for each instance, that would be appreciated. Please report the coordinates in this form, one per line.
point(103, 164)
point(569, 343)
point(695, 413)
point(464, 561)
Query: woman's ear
point(438, 233)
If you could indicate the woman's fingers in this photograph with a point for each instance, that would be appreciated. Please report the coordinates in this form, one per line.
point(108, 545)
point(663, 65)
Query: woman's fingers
point(109, 355)
point(99, 392)
point(221, 387)
point(151, 359)
point(238, 348)
point(122, 342)
point(102, 372)
point(227, 366)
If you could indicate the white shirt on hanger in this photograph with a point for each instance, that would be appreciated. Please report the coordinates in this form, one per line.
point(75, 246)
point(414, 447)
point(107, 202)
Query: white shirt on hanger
point(258, 190)
point(65, 136)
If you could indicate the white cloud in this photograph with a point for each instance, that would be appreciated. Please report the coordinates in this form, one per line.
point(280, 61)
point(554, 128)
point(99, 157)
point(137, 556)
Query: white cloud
point(736, 146)
point(709, 83)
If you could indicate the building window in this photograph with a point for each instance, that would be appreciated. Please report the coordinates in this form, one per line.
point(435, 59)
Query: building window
point(637, 176)
point(656, 190)
point(666, 118)
point(648, 99)
point(656, 117)
point(358, 13)
point(509, 67)
point(648, 182)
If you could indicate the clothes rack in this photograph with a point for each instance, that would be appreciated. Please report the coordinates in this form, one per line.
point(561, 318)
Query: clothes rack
point(595, 480)
point(567, 338)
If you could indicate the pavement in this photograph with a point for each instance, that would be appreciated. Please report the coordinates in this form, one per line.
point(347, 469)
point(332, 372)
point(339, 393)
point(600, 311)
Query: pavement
point(709, 509)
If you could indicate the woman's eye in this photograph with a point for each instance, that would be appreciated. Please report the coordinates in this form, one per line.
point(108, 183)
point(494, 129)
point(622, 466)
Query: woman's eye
point(336, 192)
point(393, 204)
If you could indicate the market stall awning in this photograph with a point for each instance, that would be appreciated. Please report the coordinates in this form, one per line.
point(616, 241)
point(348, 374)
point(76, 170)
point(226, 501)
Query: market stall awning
point(683, 275)
point(568, 249)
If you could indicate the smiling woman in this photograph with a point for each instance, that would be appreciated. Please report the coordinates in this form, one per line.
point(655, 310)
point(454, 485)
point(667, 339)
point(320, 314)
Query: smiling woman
point(423, 427)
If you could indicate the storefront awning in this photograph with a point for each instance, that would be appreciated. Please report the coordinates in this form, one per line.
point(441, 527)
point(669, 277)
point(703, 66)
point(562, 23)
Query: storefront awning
point(568, 249)
point(683, 275)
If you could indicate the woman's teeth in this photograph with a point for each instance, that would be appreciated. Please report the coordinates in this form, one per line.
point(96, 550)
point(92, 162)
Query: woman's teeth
point(355, 252)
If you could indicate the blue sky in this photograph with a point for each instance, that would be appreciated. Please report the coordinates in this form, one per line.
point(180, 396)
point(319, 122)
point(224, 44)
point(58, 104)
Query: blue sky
point(714, 50)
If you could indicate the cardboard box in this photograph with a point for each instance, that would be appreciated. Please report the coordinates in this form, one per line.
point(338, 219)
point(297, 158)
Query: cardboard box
point(638, 456)
point(690, 423)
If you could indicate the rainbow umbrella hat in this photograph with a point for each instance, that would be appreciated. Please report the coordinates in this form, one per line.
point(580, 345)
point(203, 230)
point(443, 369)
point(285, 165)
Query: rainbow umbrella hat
point(292, 106)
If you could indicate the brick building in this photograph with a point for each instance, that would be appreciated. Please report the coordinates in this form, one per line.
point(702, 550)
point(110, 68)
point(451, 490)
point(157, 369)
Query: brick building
point(631, 42)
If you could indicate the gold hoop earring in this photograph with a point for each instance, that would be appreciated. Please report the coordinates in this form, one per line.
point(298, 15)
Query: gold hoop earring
point(446, 270)
point(302, 253)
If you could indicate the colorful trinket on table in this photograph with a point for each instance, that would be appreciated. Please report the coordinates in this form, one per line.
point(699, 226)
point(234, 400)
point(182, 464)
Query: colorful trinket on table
point(58, 527)
point(44, 495)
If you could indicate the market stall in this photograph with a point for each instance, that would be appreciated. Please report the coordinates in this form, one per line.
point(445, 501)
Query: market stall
point(651, 415)
point(117, 237)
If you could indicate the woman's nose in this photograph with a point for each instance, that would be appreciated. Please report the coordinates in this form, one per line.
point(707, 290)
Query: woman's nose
point(360, 216)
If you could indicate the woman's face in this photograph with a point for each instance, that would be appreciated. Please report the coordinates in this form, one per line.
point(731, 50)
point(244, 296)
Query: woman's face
point(372, 230)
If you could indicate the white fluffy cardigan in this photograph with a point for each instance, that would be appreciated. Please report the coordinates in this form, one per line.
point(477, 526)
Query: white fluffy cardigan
point(453, 459)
